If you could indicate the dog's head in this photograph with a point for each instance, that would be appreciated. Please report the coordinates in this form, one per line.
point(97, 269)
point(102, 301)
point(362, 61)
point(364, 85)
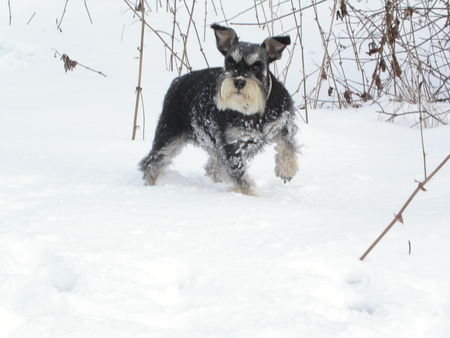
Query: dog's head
point(245, 83)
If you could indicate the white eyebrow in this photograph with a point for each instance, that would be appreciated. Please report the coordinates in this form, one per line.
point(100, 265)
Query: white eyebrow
point(252, 58)
point(236, 55)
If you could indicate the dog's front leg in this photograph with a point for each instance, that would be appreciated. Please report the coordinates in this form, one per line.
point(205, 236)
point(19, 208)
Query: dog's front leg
point(286, 162)
point(235, 167)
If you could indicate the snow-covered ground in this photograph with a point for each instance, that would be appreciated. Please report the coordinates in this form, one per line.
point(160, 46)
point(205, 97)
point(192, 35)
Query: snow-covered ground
point(86, 250)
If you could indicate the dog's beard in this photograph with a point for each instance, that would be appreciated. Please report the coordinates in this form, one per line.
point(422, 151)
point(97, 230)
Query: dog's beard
point(248, 100)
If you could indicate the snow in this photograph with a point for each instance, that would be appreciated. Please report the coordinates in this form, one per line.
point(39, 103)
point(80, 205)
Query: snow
point(86, 250)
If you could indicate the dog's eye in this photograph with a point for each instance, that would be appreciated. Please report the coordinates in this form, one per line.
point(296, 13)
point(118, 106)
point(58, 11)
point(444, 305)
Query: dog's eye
point(229, 62)
point(256, 67)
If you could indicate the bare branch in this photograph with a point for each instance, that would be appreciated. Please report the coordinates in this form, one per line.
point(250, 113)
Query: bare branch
point(62, 17)
point(141, 7)
point(28, 22)
point(87, 10)
point(9, 8)
point(157, 33)
point(69, 64)
point(398, 217)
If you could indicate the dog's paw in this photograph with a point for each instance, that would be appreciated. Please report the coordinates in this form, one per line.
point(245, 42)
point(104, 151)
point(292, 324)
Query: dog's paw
point(244, 191)
point(244, 186)
point(286, 177)
point(286, 164)
point(149, 179)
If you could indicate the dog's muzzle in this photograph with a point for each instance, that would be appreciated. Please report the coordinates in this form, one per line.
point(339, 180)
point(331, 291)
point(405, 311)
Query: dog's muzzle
point(241, 94)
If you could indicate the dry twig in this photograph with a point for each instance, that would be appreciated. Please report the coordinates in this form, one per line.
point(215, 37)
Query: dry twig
point(69, 64)
point(141, 8)
point(31, 18)
point(87, 10)
point(399, 216)
point(62, 17)
point(9, 8)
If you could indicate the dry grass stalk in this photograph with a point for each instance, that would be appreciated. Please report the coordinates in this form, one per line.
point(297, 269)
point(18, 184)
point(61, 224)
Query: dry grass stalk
point(140, 8)
point(186, 35)
point(59, 22)
point(31, 18)
point(87, 11)
point(326, 61)
point(424, 156)
point(9, 9)
point(299, 28)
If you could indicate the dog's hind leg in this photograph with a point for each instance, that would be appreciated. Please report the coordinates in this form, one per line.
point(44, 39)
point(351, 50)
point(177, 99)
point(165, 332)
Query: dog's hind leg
point(214, 169)
point(165, 148)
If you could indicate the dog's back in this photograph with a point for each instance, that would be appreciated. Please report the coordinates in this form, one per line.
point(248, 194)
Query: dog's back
point(189, 93)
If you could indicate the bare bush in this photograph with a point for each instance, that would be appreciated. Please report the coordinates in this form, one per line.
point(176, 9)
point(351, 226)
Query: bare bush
point(368, 51)
point(397, 47)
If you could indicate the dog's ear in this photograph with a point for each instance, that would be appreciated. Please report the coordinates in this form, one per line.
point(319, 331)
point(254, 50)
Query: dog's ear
point(275, 46)
point(225, 37)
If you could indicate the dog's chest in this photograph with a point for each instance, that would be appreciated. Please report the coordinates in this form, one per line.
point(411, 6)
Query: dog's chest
point(255, 131)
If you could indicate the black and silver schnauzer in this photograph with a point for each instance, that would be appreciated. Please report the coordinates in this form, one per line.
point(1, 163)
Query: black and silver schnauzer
point(231, 112)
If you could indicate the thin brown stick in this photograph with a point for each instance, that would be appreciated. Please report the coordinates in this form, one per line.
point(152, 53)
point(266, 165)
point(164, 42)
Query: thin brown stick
point(256, 13)
point(299, 26)
point(62, 17)
point(9, 8)
point(204, 20)
point(433, 117)
point(174, 12)
point(121, 34)
point(399, 215)
point(29, 20)
point(198, 36)
point(326, 61)
point(143, 117)
point(141, 57)
point(87, 10)
point(223, 12)
point(214, 7)
point(424, 156)
point(186, 36)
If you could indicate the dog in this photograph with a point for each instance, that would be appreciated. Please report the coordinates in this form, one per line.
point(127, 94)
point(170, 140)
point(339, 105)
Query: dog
point(232, 112)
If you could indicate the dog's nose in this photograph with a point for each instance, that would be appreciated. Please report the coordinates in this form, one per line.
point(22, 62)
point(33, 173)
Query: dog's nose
point(239, 83)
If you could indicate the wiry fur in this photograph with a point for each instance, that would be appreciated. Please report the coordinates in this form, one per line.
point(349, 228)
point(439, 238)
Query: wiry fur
point(156, 162)
point(285, 161)
point(250, 100)
point(231, 120)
